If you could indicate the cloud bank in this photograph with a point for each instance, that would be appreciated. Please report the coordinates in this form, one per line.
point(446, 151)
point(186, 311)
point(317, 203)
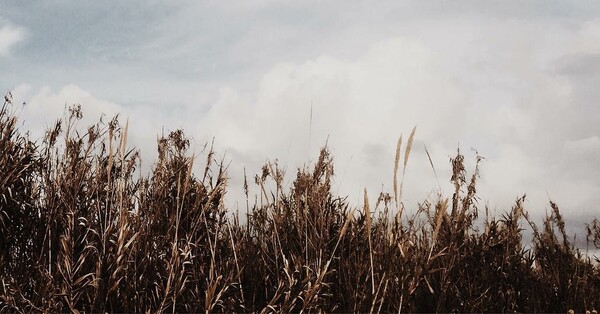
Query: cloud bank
point(516, 84)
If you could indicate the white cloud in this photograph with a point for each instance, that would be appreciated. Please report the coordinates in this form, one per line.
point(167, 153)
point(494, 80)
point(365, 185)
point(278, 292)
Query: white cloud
point(584, 146)
point(510, 112)
point(359, 106)
point(9, 36)
point(521, 90)
point(45, 106)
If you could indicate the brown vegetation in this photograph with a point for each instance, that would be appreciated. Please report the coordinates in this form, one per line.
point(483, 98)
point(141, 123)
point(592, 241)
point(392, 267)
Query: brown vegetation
point(81, 230)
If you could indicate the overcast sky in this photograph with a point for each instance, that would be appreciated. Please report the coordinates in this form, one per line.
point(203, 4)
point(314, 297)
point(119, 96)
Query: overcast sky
point(517, 81)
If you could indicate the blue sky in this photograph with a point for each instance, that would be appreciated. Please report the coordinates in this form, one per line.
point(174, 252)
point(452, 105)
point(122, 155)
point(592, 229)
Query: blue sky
point(517, 81)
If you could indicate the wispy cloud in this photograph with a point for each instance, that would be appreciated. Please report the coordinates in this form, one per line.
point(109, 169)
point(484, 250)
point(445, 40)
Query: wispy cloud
point(9, 36)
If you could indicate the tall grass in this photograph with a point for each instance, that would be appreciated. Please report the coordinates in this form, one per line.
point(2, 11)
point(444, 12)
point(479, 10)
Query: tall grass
point(82, 230)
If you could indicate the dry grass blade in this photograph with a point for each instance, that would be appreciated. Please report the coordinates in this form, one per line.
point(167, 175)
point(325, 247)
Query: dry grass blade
point(433, 167)
point(396, 165)
point(406, 155)
point(368, 220)
point(124, 139)
point(441, 211)
point(408, 147)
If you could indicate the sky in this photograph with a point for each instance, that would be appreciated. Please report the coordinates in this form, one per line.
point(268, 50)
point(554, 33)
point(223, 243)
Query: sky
point(515, 81)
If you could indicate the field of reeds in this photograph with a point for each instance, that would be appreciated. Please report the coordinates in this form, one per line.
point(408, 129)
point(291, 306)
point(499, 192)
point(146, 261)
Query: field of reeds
point(82, 230)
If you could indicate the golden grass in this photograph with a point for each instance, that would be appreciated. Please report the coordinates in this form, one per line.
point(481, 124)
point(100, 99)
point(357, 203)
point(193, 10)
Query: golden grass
point(396, 164)
point(81, 233)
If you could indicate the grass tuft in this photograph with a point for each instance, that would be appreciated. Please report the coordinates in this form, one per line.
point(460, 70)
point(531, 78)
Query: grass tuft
point(81, 230)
